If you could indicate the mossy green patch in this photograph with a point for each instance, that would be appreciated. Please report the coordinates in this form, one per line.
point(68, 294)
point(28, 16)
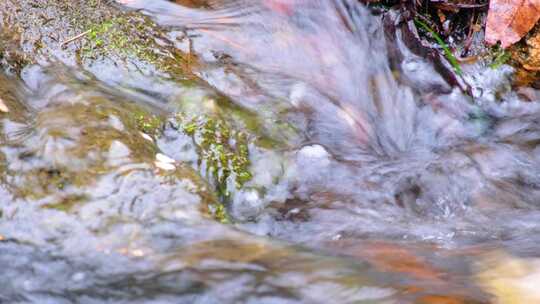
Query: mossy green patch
point(223, 155)
point(131, 37)
point(267, 127)
point(223, 149)
point(498, 57)
point(219, 211)
point(87, 32)
point(148, 123)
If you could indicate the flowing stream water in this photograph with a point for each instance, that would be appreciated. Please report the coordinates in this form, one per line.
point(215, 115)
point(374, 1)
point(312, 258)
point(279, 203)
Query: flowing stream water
point(315, 160)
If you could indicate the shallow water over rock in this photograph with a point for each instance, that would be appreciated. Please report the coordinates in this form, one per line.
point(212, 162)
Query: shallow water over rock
point(298, 162)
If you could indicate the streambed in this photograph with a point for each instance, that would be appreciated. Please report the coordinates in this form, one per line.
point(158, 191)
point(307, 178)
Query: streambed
point(255, 152)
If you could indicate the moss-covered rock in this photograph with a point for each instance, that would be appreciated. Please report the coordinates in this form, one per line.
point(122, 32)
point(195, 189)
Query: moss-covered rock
point(126, 53)
point(223, 149)
point(223, 155)
point(525, 57)
point(83, 148)
point(83, 33)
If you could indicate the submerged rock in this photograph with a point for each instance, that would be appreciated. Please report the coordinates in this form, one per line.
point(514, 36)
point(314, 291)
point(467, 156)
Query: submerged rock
point(129, 55)
point(119, 152)
point(82, 151)
point(86, 215)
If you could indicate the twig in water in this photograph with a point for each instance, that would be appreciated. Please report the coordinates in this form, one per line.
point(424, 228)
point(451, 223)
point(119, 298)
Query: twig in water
point(75, 38)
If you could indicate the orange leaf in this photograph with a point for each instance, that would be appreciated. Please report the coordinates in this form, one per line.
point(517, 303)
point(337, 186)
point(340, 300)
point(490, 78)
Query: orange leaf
point(509, 20)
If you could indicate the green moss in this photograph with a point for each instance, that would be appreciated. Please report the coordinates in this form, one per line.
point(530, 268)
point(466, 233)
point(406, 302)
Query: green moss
point(498, 56)
point(223, 154)
point(98, 33)
point(132, 36)
point(86, 32)
point(225, 150)
point(190, 128)
point(219, 212)
point(148, 123)
point(270, 130)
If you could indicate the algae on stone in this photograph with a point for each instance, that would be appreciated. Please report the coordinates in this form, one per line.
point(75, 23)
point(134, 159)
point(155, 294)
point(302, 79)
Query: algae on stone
point(132, 36)
point(223, 150)
point(84, 141)
point(223, 156)
point(127, 52)
point(34, 32)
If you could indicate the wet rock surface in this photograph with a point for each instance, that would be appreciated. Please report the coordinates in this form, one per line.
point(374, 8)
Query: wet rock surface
point(246, 152)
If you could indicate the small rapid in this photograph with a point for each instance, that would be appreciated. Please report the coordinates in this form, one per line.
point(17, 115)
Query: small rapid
point(310, 156)
point(410, 146)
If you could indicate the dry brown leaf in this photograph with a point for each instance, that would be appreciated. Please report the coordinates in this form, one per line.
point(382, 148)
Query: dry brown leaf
point(509, 20)
point(3, 107)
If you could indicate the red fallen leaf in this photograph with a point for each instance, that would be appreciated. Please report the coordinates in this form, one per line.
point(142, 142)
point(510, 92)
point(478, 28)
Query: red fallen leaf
point(509, 20)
